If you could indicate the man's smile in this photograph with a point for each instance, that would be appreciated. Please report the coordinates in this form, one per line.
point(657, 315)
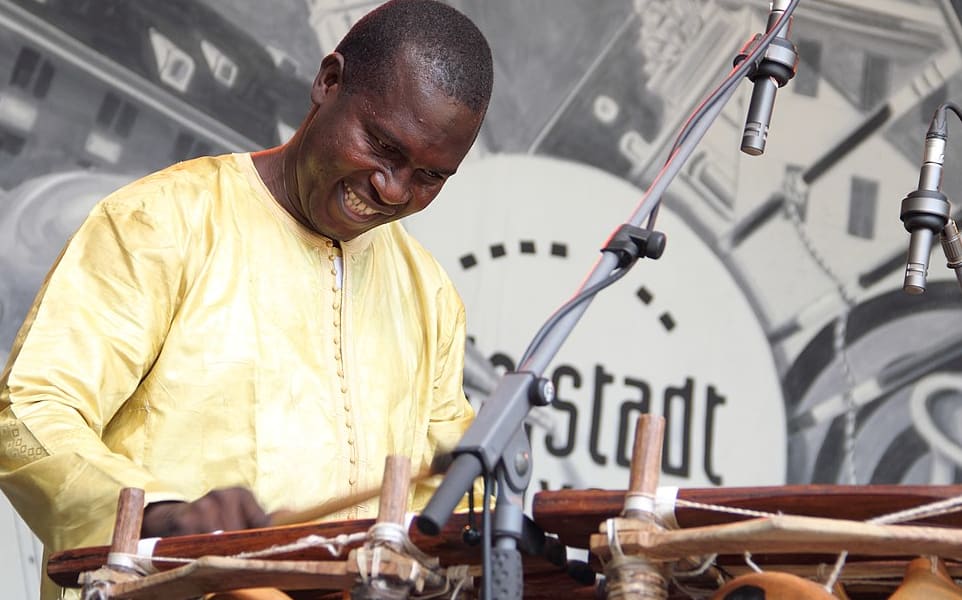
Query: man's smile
point(357, 207)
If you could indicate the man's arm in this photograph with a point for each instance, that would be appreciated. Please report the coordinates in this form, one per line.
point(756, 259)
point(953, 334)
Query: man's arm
point(451, 414)
point(95, 330)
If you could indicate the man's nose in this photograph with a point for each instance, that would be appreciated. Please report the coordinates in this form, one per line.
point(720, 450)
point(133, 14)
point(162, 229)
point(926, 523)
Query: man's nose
point(393, 186)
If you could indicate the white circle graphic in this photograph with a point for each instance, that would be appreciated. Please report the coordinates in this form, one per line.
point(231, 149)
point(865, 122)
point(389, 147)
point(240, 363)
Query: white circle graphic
point(675, 337)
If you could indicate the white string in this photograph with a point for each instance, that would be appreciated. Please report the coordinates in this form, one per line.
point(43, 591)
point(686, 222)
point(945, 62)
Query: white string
point(706, 564)
point(458, 573)
point(145, 564)
point(745, 512)
point(394, 534)
point(611, 526)
point(940, 507)
point(932, 509)
point(361, 558)
point(122, 560)
point(639, 502)
point(333, 545)
point(836, 571)
point(376, 562)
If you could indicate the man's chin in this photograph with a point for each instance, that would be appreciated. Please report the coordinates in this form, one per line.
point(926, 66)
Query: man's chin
point(344, 234)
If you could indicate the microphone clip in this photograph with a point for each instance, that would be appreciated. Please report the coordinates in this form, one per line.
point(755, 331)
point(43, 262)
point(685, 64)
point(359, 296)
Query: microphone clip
point(629, 243)
point(779, 63)
point(929, 209)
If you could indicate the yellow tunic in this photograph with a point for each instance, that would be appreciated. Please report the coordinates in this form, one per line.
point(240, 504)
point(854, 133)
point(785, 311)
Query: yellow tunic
point(193, 336)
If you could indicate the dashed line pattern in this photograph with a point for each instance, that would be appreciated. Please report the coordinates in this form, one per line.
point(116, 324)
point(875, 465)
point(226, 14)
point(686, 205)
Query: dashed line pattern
point(667, 321)
point(500, 250)
point(560, 250)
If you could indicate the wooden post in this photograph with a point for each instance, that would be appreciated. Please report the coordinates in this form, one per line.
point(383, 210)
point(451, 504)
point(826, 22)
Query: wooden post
point(630, 575)
point(130, 516)
point(393, 503)
point(645, 468)
point(384, 552)
point(119, 566)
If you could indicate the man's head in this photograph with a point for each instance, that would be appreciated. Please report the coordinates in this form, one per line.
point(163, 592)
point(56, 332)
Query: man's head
point(450, 50)
point(397, 106)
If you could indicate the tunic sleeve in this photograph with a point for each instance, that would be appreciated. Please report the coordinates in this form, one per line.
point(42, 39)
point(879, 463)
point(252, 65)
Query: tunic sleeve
point(451, 413)
point(93, 332)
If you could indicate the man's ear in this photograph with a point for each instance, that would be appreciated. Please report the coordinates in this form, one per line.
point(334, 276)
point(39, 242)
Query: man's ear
point(329, 77)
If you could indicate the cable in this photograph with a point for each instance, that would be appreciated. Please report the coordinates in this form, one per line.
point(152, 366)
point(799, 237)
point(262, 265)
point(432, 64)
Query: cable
point(571, 304)
point(734, 77)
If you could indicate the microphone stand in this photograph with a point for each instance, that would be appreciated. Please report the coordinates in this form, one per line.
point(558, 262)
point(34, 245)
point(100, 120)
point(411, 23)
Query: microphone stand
point(496, 443)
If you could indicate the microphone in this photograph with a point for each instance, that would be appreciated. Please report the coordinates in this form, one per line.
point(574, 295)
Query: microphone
point(776, 67)
point(925, 211)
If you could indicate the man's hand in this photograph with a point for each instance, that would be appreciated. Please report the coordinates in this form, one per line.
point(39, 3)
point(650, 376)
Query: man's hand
point(219, 510)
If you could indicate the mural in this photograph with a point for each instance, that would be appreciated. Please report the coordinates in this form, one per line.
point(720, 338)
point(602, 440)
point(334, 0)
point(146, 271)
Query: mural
point(773, 334)
point(809, 231)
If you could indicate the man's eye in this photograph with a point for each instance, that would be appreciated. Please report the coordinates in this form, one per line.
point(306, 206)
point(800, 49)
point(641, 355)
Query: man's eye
point(434, 175)
point(384, 145)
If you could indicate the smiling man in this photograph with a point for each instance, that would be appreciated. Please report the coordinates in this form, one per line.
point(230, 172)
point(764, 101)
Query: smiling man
point(249, 333)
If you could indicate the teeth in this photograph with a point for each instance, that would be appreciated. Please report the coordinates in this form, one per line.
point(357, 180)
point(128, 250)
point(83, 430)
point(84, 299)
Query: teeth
point(355, 204)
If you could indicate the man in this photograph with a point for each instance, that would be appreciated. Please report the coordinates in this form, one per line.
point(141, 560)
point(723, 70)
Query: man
point(249, 333)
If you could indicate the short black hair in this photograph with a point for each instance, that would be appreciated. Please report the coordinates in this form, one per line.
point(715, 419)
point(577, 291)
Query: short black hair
point(447, 45)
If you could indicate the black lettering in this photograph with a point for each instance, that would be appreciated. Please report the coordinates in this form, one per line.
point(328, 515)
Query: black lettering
point(623, 454)
point(601, 380)
point(713, 400)
point(680, 466)
point(564, 371)
point(499, 359)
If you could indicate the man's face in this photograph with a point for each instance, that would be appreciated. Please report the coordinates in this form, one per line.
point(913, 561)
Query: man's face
point(366, 159)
